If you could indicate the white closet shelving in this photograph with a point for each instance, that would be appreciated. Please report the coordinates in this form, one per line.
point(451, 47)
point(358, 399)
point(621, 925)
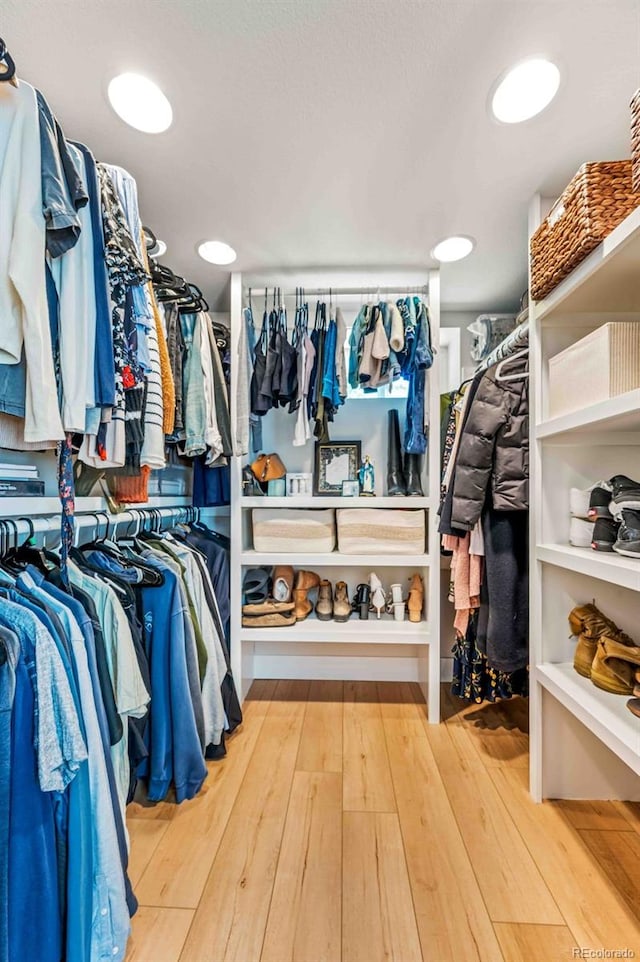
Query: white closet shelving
point(355, 650)
point(584, 743)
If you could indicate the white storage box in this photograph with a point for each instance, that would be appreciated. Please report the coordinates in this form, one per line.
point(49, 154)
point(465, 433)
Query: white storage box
point(379, 531)
point(599, 366)
point(297, 531)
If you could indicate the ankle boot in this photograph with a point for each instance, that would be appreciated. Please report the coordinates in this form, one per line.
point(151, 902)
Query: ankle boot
point(282, 582)
point(324, 604)
point(341, 603)
point(361, 601)
point(395, 477)
point(305, 582)
point(415, 604)
point(412, 467)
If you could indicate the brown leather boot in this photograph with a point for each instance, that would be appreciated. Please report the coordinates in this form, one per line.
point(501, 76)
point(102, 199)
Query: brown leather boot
point(305, 581)
point(341, 603)
point(282, 583)
point(589, 624)
point(324, 604)
point(614, 666)
point(415, 604)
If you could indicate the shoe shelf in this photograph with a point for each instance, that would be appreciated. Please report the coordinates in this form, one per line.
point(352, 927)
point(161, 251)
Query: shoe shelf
point(616, 414)
point(611, 567)
point(607, 280)
point(584, 742)
point(334, 559)
point(604, 714)
point(313, 501)
point(372, 631)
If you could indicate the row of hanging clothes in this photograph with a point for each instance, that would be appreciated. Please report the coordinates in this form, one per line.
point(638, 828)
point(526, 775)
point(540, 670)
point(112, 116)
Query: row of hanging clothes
point(484, 522)
point(114, 680)
point(102, 350)
point(310, 375)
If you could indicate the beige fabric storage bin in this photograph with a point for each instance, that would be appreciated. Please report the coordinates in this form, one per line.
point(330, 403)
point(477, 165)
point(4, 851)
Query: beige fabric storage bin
point(379, 531)
point(599, 366)
point(297, 531)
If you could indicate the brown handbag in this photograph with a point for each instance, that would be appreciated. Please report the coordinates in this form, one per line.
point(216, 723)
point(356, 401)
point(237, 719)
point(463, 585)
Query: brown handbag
point(268, 467)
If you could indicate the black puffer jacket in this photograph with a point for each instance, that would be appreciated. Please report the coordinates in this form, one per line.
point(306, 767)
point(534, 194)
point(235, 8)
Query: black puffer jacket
point(494, 447)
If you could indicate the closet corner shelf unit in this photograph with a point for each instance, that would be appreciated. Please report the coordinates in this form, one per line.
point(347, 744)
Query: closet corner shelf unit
point(584, 743)
point(354, 650)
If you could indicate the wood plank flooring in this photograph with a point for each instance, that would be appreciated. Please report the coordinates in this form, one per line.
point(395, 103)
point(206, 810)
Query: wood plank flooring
point(341, 827)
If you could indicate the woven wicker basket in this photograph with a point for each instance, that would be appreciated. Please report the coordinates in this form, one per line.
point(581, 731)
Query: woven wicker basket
point(596, 200)
point(635, 139)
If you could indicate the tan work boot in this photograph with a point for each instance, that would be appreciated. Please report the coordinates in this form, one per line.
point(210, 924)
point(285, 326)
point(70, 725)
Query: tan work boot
point(341, 603)
point(589, 624)
point(305, 581)
point(614, 666)
point(324, 604)
point(282, 583)
point(415, 604)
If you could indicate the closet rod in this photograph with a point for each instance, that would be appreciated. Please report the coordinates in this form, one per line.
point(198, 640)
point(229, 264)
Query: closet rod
point(50, 524)
point(338, 291)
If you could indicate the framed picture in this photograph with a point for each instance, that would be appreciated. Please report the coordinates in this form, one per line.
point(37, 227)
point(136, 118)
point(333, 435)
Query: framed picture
point(335, 462)
point(350, 489)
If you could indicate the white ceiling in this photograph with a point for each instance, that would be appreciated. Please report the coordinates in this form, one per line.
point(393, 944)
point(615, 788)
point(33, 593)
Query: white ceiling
point(338, 133)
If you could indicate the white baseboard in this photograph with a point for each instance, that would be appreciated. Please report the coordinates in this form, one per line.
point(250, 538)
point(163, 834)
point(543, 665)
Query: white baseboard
point(342, 668)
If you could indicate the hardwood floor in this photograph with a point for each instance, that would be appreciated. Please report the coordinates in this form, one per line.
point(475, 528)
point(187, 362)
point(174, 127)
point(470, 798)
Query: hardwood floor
point(341, 827)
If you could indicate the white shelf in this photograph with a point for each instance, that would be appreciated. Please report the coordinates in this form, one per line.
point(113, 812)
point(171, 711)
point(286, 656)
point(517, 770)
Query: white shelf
point(313, 501)
point(28, 507)
point(604, 714)
point(621, 413)
point(608, 280)
point(607, 566)
point(385, 631)
point(334, 558)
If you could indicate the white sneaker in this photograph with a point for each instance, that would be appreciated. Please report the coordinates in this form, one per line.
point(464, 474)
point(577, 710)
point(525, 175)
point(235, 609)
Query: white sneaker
point(581, 533)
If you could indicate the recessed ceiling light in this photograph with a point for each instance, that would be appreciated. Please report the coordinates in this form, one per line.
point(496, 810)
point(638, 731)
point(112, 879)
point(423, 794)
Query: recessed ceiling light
point(453, 248)
point(216, 252)
point(159, 249)
point(525, 90)
point(140, 103)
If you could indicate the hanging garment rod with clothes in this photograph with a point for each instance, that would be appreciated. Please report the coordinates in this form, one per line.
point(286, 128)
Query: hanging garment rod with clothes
point(515, 341)
point(50, 524)
point(370, 289)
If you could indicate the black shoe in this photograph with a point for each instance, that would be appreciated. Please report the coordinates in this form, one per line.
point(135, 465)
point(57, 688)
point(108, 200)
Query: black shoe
point(605, 532)
point(361, 601)
point(412, 475)
point(599, 501)
point(628, 542)
point(625, 494)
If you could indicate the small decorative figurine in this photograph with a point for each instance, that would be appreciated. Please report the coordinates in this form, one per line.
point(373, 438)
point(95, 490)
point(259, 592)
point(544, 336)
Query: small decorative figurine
point(367, 478)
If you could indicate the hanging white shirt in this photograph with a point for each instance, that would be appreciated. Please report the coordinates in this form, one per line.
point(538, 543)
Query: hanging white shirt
point(24, 314)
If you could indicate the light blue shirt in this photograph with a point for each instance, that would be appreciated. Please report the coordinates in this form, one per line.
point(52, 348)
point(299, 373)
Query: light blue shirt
point(111, 925)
